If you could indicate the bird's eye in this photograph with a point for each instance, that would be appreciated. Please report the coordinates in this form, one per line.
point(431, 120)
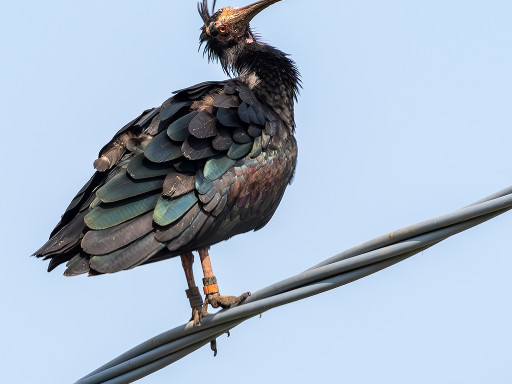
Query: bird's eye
point(223, 29)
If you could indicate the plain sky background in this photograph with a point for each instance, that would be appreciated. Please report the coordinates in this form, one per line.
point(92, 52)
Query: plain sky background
point(405, 115)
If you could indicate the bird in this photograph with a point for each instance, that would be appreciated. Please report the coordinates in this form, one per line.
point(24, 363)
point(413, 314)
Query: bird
point(213, 161)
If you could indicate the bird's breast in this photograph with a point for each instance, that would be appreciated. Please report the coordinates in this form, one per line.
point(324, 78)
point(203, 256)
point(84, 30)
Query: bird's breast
point(259, 183)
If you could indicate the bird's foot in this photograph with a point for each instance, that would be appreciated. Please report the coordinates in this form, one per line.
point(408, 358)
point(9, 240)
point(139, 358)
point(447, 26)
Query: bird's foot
point(196, 303)
point(211, 290)
point(198, 313)
point(216, 300)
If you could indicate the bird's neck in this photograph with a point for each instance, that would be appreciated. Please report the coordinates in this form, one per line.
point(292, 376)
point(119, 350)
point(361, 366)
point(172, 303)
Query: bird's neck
point(271, 75)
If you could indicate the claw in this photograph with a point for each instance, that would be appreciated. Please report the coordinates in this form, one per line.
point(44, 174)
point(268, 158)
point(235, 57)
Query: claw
point(197, 315)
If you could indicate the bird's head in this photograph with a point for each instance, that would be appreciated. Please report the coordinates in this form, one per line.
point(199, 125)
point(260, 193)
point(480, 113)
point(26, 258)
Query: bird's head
point(226, 32)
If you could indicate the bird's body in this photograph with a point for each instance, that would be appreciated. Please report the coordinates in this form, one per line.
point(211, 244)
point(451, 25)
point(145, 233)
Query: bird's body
point(212, 162)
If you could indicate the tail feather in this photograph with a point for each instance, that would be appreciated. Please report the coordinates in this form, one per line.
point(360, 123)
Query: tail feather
point(60, 259)
point(78, 265)
point(65, 239)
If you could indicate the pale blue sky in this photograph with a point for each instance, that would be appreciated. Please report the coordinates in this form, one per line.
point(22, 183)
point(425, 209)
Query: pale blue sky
point(405, 115)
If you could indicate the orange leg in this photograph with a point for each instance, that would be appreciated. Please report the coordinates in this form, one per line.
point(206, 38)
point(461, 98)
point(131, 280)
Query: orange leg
point(211, 289)
point(205, 262)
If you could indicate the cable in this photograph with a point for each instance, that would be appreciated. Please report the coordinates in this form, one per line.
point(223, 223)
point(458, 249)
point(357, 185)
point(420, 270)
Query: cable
point(344, 268)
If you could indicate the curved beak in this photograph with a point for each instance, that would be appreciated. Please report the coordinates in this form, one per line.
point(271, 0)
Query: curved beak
point(245, 14)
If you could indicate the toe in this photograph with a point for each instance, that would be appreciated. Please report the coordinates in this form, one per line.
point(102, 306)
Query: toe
point(197, 316)
point(217, 300)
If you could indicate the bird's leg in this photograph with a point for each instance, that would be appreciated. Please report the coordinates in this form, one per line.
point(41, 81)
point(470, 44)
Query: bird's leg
point(211, 289)
point(193, 294)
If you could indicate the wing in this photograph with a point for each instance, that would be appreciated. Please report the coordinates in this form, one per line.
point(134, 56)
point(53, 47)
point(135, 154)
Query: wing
point(196, 171)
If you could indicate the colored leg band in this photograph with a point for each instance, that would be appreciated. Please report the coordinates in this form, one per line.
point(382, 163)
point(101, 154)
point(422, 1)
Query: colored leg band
point(194, 297)
point(209, 289)
point(210, 285)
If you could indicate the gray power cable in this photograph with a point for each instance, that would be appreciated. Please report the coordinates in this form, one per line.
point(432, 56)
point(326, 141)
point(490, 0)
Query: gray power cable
point(344, 268)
